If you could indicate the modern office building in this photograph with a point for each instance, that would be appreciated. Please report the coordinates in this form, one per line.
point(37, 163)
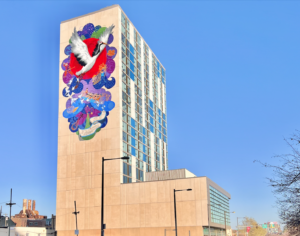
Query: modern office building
point(113, 103)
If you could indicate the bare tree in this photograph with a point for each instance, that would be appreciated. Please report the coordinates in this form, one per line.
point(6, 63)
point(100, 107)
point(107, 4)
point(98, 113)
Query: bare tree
point(286, 185)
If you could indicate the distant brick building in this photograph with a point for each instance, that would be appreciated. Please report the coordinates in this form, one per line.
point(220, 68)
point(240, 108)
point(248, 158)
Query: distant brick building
point(28, 212)
point(29, 216)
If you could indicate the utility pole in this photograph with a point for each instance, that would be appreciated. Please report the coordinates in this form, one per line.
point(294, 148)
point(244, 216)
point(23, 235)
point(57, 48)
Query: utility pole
point(76, 212)
point(10, 204)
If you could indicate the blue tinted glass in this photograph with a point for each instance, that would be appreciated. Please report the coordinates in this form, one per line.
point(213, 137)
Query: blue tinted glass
point(157, 73)
point(144, 131)
point(144, 139)
point(157, 65)
point(124, 179)
point(133, 132)
point(132, 76)
point(132, 122)
point(132, 141)
point(163, 80)
point(141, 176)
point(124, 168)
point(131, 49)
point(165, 133)
point(144, 148)
point(133, 151)
point(160, 128)
point(164, 116)
point(131, 66)
point(151, 120)
point(144, 157)
point(132, 58)
point(151, 112)
point(165, 139)
point(151, 128)
point(151, 103)
point(163, 71)
point(159, 120)
point(160, 135)
point(159, 112)
point(164, 124)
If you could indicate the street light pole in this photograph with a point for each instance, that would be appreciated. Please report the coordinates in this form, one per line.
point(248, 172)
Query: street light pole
point(208, 219)
point(102, 197)
point(189, 189)
point(102, 190)
point(175, 213)
point(225, 216)
point(225, 221)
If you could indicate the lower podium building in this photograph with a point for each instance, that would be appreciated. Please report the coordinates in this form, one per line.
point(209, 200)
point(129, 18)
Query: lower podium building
point(112, 104)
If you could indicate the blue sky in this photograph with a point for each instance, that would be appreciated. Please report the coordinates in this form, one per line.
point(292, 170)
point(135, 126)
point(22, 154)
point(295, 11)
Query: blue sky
point(232, 91)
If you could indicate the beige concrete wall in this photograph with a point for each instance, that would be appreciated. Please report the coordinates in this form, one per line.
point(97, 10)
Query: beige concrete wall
point(79, 162)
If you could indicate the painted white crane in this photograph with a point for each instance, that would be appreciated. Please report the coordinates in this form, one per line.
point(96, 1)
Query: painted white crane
point(80, 50)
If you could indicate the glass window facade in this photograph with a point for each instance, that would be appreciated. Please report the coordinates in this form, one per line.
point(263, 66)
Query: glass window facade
point(147, 101)
point(219, 204)
point(213, 231)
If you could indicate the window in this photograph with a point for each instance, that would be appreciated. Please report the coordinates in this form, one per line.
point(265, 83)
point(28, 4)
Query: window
point(126, 179)
point(139, 175)
point(127, 169)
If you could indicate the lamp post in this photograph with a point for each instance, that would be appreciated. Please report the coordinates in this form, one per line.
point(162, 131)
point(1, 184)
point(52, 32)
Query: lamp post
point(210, 217)
point(225, 216)
point(189, 189)
point(102, 192)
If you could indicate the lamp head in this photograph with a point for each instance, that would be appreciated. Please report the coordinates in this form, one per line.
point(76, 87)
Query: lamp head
point(189, 189)
point(125, 158)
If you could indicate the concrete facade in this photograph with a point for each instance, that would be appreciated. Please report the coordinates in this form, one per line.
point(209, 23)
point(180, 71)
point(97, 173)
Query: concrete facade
point(141, 208)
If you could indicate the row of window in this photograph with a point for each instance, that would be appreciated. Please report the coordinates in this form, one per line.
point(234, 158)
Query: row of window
point(150, 115)
point(130, 140)
point(219, 206)
point(131, 58)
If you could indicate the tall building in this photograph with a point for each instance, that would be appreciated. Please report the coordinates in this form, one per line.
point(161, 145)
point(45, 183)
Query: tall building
point(113, 103)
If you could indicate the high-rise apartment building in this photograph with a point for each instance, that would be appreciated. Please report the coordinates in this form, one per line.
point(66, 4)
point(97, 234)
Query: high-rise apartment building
point(113, 103)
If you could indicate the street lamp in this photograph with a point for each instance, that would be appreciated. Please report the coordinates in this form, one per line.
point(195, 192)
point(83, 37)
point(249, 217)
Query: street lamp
point(189, 189)
point(225, 216)
point(210, 217)
point(102, 192)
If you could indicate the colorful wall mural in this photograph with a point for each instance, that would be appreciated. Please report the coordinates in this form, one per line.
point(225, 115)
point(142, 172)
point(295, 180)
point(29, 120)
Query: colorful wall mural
point(87, 70)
